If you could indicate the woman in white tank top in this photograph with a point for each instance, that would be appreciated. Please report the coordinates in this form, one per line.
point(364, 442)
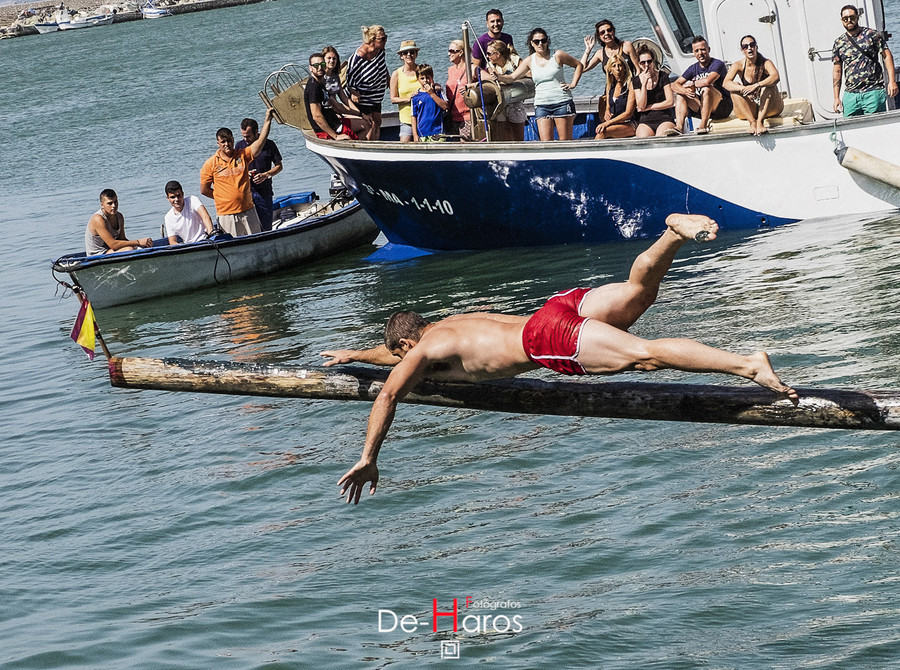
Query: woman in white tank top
point(553, 104)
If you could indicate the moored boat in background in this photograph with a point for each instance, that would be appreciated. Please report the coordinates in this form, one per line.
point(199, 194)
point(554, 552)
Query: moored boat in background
point(46, 27)
point(78, 22)
point(152, 11)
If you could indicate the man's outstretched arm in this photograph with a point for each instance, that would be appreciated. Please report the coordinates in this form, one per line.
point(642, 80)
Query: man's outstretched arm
point(402, 379)
point(376, 356)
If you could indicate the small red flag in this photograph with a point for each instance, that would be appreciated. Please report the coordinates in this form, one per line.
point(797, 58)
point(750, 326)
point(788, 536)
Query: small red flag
point(83, 331)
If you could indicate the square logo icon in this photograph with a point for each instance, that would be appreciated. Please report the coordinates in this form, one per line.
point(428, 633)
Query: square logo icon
point(450, 649)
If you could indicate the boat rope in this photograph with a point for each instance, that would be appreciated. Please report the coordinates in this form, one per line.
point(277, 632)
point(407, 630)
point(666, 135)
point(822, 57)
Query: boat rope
point(839, 147)
point(219, 255)
point(66, 285)
point(487, 134)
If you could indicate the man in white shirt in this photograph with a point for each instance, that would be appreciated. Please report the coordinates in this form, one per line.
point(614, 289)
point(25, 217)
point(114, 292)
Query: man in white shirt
point(188, 218)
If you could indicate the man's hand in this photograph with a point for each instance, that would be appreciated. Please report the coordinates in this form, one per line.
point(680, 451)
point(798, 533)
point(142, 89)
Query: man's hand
point(338, 357)
point(354, 480)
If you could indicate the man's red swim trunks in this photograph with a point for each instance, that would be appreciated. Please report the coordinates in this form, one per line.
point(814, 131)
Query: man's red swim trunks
point(552, 337)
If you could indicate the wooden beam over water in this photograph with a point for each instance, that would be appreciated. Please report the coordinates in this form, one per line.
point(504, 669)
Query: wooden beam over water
point(819, 408)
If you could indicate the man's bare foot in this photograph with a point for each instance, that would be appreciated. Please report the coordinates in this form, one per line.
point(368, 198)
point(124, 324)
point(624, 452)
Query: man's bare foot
point(764, 375)
point(692, 226)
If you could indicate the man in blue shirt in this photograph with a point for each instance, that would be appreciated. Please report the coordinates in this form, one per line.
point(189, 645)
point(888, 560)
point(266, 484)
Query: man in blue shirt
point(266, 165)
point(699, 91)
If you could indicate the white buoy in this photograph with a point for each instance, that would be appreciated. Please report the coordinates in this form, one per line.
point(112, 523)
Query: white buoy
point(869, 165)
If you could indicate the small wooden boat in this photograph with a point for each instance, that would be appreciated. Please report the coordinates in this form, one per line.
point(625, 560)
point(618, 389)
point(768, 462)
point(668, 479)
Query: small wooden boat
point(304, 231)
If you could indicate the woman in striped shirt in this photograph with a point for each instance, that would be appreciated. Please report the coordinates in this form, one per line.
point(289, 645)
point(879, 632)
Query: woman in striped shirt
point(367, 76)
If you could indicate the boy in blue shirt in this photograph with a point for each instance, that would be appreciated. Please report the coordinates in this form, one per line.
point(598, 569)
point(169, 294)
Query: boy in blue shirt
point(428, 108)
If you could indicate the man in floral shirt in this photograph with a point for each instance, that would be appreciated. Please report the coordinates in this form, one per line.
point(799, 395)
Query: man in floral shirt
point(855, 58)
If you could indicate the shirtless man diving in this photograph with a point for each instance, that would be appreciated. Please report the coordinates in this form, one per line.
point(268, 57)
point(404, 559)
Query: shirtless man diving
point(581, 331)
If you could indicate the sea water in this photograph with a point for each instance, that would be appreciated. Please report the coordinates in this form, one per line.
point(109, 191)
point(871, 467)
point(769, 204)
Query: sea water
point(144, 529)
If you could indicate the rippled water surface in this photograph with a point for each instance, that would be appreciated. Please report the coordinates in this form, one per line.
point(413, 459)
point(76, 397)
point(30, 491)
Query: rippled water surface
point(150, 529)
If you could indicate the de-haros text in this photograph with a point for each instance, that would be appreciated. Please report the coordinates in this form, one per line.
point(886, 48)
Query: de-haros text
point(389, 621)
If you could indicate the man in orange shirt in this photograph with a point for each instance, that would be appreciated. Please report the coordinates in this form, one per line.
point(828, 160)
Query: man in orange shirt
point(225, 177)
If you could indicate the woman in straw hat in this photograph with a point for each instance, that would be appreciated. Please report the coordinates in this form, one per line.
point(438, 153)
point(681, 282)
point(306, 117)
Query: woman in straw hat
point(404, 85)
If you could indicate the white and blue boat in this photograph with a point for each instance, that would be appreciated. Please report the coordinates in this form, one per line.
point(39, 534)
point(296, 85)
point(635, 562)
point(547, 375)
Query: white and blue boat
point(79, 21)
point(305, 231)
point(152, 11)
point(482, 195)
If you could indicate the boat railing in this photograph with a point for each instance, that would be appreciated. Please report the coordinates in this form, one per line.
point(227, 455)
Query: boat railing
point(283, 92)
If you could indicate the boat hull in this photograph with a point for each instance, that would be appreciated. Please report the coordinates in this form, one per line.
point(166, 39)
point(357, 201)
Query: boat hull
point(89, 22)
point(126, 277)
point(44, 28)
point(484, 196)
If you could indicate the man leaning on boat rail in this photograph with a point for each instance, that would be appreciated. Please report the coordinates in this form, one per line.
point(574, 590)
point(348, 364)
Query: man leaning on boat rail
point(105, 232)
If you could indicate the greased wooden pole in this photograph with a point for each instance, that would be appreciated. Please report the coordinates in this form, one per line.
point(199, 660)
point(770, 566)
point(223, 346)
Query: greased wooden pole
point(819, 408)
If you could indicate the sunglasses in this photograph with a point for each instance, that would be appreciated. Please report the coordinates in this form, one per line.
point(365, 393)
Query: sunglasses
point(644, 62)
point(544, 40)
point(317, 66)
point(454, 51)
point(852, 17)
point(748, 45)
point(606, 32)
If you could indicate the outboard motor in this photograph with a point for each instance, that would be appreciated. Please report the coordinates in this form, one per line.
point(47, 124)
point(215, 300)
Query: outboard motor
point(336, 187)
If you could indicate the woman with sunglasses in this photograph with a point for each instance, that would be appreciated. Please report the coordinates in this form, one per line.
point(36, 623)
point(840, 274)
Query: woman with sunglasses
point(752, 82)
point(553, 103)
point(367, 76)
point(338, 100)
point(456, 90)
point(653, 98)
point(610, 45)
point(620, 101)
point(404, 85)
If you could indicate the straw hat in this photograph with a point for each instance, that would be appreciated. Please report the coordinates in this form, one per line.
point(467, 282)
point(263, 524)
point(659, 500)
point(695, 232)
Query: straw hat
point(407, 45)
point(655, 49)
